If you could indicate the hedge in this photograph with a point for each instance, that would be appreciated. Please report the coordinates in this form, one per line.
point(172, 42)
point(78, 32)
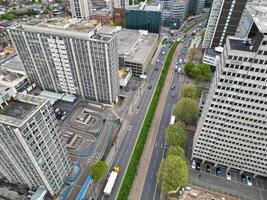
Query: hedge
point(139, 147)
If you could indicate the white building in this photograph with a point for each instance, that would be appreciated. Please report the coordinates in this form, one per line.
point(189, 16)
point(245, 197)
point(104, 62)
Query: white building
point(121, 4)
point(232, 128)
point(32, 151)
point(81, 8)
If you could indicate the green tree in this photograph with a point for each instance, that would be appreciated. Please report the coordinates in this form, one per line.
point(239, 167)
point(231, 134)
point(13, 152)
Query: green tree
point(187, 110)
point(173, 173)
point(98, 170)
point(188, 68)
point(8, 16)
point(176, 151)
point(205, 71)
point(175, 134)
point(190, 91)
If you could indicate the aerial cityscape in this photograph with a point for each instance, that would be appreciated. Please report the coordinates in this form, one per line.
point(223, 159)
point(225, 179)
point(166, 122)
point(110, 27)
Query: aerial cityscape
point(133, 99)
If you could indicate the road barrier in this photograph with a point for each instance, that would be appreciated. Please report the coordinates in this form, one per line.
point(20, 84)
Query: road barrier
point(139, 146)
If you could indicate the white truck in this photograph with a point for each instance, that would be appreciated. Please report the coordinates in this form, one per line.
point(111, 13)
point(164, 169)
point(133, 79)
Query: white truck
point(172, 120)
point(111, 180)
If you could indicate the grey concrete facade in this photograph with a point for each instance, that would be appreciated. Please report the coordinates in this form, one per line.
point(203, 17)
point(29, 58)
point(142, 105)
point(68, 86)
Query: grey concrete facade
point(32, 150)
point(232, 128)
point(73, 61)
point(81, 8)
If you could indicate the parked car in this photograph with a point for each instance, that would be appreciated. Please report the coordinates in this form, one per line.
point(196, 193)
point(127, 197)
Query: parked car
point(208, 169)
point(126, 89)
point(157, 69)
point(56, 110)
point(173, 87)
point(173, 94)
point(157, 60)
point(193, 165)
point(243, 178)
point(179, 70)
point(218, 171)
point(228, 176)
point(249, 181)
point(150, 86)
point(198, 165)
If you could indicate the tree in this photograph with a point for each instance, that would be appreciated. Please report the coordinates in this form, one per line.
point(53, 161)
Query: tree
point(176, 151)
point(98, 170)
point(187, 110)
point(190, 91)
point(175, 134)
point(188, 68)
point(173, 173)
point(8, 16)
point(205, 71)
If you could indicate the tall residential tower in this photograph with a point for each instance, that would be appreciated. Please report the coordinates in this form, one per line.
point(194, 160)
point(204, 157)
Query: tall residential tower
point(81, 8)
point(232, 128)
point(68, 56)
point(32, 150)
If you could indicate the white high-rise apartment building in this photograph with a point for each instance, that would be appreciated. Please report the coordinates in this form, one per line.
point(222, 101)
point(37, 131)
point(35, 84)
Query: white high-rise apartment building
point(68, 56)
point(121, 4)
point(81, 8)
point(32, 150)
point(232, 128)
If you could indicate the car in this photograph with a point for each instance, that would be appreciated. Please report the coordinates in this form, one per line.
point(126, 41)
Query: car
point(228, 176)
point(126, 89)
point(198, 165)
point(150, 86)
point(208, 169)
point(63, 117)
point(173, 94)
point(157, 69)
point(56, 110)
point(134, 88)
point(163, 52)
point(243, 179)
point(193, 165)
point(173, 87)
point(179, 70)
point(157, 60)
point(249, 181)
point(218, 171)
point(161, 62)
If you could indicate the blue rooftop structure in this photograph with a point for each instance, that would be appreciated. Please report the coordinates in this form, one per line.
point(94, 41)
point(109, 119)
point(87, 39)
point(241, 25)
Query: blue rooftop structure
point(86, 185)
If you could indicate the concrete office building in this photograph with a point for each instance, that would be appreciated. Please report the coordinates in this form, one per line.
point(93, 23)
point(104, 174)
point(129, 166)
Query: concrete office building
point(32, 151)
point(81, 8)
point(225, 20)
point(144, 17)
point(195, 7)
point(121, 4)
point(174, 12)
point(136, 48)
point(68, 56)
point(232, 128)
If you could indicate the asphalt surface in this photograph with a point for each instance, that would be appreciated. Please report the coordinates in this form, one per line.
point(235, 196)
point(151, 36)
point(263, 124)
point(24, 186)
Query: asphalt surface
point(151, 190)
point(122, 157)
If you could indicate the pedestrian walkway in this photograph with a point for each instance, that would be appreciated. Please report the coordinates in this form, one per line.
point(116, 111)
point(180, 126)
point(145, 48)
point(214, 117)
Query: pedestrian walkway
point(139, 181)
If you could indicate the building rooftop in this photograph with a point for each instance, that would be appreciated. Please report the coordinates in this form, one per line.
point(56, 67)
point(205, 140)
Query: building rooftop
point(134, 45)
point(144, 6)
point(19, 109)
point(259, 16)
point(12, 64)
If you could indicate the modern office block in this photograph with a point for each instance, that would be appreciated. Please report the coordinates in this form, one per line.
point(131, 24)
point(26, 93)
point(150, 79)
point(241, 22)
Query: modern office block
point(81, 8)
point(195, 7)
point(121, 4)
point(32, 151)
point(224, 19)
point(232, 128)
point(144, 17)
point(68, 56)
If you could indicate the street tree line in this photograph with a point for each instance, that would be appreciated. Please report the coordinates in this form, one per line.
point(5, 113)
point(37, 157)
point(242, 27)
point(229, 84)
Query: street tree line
point(173, 173)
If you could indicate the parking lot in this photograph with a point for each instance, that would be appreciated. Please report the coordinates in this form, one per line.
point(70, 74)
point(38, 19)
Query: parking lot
point(202, 176)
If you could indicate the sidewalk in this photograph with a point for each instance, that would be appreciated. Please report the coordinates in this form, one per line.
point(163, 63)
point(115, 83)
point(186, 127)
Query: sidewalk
point(139, 181)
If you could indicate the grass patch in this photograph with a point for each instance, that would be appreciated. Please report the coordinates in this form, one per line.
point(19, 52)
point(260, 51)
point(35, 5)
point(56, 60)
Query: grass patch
point(139, 147)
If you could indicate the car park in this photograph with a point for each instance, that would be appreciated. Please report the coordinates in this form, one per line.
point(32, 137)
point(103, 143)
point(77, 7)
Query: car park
point(228, 176)
point(208, 169)
point(249, 181)
point(243, 179)
point(193, 165)
point(218, 171)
